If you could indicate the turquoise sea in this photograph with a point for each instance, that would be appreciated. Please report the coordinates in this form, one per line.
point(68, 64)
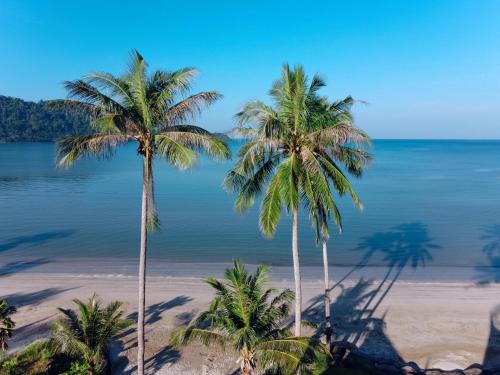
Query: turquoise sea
point(427, 203)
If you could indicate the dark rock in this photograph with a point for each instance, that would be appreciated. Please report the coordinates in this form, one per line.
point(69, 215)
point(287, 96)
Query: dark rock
point(411, 368)
point(348, 355)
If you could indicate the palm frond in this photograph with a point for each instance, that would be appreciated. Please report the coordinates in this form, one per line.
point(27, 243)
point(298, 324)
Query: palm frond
point(270, 211)
point(175, 153)
point(136, 81)
point(89, 97)
point(206, 143)
point(107, 81)
point(71, 148)
point(289, 355)
point(207, 337)
point(189, 108)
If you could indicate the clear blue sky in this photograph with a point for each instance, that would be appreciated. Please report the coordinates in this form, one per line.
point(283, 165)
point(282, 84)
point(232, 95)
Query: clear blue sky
point(428, 69)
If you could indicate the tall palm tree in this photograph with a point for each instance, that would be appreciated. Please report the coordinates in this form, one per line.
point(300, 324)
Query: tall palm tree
point(320, 222)
point(340, 112)
point(87, 335)
point(293, 155)
point(245, 316)
point(6, 323)
point(151, 110)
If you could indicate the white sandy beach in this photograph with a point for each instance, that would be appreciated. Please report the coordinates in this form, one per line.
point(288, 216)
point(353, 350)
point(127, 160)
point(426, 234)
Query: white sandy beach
point(447, 325)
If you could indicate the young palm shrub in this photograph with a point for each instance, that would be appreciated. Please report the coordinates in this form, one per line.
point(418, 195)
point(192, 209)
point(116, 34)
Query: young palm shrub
point(86, 335)
point(6, 324)
point(252, 320)
point(296, 150)
point(152, 110)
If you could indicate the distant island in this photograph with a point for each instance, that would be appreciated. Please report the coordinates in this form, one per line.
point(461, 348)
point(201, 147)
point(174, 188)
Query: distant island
point(25, 121)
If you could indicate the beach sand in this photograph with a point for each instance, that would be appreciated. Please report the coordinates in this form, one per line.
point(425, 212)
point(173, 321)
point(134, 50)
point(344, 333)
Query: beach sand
point(439, 324)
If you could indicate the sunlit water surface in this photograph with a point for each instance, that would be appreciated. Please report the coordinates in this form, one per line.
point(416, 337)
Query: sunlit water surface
point(427, 203)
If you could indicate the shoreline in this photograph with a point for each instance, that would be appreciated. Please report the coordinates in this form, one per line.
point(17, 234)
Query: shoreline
point(435, 324)
point(160, 267)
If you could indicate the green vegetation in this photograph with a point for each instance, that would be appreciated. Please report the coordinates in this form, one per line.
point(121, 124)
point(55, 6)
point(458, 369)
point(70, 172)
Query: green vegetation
point(86, 335)
point(39, 358)
point(35, 359)
point(78, 344)
point(251, 320)
point(295, 153)
point(151, 110)
point(6, 323)
point(22, 121)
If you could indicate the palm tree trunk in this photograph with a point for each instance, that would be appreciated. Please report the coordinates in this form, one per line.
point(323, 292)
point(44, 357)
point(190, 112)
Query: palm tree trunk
point(296, 273)
point(246, 367)
point(328, 324)
point(142, 265)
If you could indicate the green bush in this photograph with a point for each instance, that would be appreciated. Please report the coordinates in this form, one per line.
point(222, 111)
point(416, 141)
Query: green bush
point(10, 364)
point(78, 368)
point(34, 360)
point(40, 358)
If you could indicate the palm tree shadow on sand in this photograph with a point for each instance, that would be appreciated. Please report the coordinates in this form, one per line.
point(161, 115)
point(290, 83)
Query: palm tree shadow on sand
point(167, 355)
point(353, 311)
point(490, 273)
point(404, 245)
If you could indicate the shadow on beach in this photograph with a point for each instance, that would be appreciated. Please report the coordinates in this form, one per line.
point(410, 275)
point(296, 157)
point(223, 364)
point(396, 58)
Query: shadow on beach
point(353, 311)
point(167, 355)
point(405, 245)
point(34, 298)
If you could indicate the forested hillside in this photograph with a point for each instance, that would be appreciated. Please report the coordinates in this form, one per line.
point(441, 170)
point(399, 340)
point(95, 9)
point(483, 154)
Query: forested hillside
point(23, 121)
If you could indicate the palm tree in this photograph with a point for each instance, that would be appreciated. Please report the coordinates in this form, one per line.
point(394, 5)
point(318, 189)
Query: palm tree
point(151, 110)
point(86, 335)
point(245, 316)
point(6, 323)
point(320, 222)
point(339, 112)
point(293, 154)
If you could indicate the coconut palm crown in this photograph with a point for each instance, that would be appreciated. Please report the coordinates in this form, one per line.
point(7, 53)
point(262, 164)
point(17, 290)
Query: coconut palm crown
point(297, 151)
point(154, 111)
point(86, 335)
point(252, 320)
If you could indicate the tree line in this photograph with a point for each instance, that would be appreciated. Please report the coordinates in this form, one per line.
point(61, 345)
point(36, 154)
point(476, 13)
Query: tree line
point(25, 121)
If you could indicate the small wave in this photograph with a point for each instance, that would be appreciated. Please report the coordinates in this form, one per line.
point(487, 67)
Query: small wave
point(485, 170)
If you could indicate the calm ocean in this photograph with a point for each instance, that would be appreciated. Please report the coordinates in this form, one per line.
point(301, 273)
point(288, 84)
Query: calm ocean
point(432, 203)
